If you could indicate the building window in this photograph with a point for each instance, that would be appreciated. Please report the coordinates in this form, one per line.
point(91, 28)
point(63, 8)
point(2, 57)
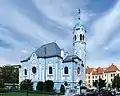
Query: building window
point(93, 77)
point(111, 80)
point(80, 36)
point(66, 70)
point(75, 37)
point(50, 70)
point(99, 76)
point(114, 75)
point(111, 75)
point(89, 81)
point(105, 74)
point(89, 77)
point(25, 71)
point(34, 70)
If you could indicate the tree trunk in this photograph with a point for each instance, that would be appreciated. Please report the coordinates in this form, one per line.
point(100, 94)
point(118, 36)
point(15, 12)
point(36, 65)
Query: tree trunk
point(27, 93)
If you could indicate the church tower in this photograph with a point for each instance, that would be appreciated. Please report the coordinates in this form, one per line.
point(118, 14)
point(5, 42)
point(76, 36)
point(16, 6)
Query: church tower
point(79, 45)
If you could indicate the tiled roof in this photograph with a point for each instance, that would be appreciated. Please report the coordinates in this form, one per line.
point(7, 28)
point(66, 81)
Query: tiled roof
point(111, 68)
point(71, 58)
point(46, 51)
point(89, 70)
point(98, 71)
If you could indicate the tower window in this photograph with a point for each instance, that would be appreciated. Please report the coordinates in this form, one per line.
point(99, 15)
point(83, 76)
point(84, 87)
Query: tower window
point(75, 37)
point(80, 36)
point(66, 70)
point(83, 37)
point(25, 71)
point(50, 70)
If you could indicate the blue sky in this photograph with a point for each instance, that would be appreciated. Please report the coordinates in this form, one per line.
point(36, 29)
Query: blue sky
point(27, 24)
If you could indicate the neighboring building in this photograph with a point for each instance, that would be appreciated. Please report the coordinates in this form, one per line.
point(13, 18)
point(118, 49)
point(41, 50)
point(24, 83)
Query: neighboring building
point(110, 73)
point(89, 77)
point(48, 62)
point(106, 74)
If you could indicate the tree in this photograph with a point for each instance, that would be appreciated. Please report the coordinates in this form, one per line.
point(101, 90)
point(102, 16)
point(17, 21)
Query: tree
point(95, 84)
point(99, 83)
point(62, 89)
point(49, 86)
point(26, 85)
point(116, 82)
point(40, 86)
point(9, 74)
point(1, 85)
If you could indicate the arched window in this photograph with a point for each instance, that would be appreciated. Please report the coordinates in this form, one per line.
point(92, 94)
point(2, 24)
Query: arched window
point(50, 70)
point(80, 36)
point(83, 37)
point(66, 70)
point(75, 37)
point(34, 69)
point(25, 71)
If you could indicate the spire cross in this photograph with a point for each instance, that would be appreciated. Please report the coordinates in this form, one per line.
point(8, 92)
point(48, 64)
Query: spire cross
point(79, 14)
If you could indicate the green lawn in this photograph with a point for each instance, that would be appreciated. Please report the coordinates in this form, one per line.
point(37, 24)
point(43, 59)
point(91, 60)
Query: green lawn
point(22, 94)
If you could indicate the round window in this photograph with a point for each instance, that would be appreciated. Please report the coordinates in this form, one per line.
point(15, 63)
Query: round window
point(34, 70)
point(78, 70)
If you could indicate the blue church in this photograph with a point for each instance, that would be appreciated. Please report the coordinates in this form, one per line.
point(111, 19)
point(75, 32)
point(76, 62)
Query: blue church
point(49, 62)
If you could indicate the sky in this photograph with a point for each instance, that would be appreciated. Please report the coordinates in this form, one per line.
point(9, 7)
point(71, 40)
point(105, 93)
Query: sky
point(25, 25)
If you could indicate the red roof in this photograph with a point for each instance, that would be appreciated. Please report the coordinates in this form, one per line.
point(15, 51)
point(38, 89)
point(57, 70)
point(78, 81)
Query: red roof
point(98, 71)
point(111, 68)
point(89, 70)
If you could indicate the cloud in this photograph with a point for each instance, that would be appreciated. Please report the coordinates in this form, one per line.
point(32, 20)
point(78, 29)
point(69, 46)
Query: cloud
point(27, 24)
point(24, 51)
point(103, 28)
point(105, 31)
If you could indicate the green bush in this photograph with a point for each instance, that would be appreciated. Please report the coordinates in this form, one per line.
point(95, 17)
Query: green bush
point(62, 89)
point(14, 87)
point(49, 86)
point(26, 85)
point(40, 86)
point(1, 85)
point(2, 90)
